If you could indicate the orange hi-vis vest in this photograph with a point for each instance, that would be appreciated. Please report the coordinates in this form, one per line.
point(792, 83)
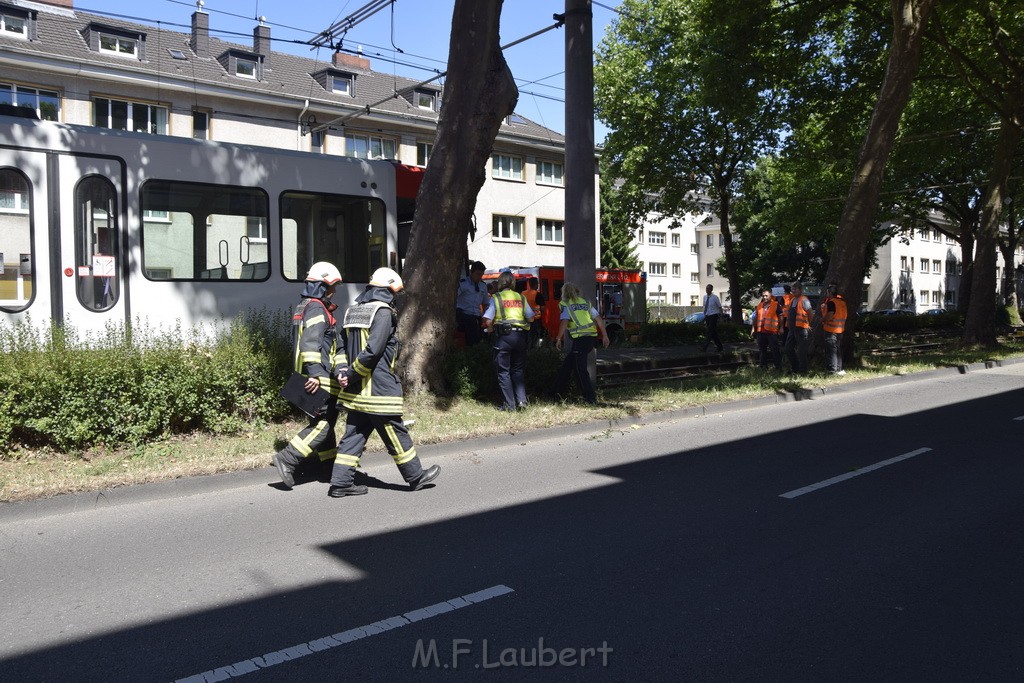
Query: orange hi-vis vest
point(767, 319)
point(531, 298)
point(803, 316)
point(837, 322)
point(787, 299)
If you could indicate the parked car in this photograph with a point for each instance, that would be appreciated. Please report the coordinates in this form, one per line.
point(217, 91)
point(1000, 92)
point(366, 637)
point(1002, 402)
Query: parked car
point(891, 311)
point(934, 311)
point(697, 317)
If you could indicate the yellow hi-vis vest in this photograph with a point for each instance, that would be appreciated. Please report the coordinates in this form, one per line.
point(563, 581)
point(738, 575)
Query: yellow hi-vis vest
point(510, 309)
point(581, 323)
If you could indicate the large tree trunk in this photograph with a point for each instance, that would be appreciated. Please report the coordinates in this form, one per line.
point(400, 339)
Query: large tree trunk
point(479, 93)
point(967, 239)
point(846, 267)
point(735, 296)
point(980, 325)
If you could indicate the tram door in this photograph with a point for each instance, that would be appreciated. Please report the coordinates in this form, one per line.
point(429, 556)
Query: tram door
point(92, 247)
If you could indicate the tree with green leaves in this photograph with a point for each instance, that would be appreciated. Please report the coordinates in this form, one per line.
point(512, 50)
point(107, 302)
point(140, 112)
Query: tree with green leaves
point(618, 249)
point(690, 91)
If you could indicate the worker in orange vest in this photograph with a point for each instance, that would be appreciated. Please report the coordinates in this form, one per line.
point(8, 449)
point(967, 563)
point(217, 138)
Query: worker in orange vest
point(798, 318)
point(833, 321)
point(536, 301)
point(787, 300)
point(766, 326)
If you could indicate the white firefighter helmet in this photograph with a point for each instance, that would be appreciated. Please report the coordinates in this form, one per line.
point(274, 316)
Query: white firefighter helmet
point(325, 272)
point(385, 277)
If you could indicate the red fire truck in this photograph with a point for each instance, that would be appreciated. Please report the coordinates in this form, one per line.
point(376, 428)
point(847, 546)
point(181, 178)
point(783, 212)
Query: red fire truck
point(620, 295)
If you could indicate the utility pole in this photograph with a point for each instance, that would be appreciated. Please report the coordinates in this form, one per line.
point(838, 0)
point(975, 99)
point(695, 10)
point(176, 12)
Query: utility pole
point(580, 221)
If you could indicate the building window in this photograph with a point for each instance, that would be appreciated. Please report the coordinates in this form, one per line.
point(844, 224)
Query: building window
point(923, 233)
point(549, 173)
point(341, 84)
point(937, 298)
point(677, 270)
point(370, 147)
point(950, 297)
point(952, 267)
point(17, 275)
point(677, 298)
point(710, 241)
point(693, 248)
point(656, 269)
point(711, 269)
point(694, 300)
point(950, 240)
point(550, 231)
point(123, 115)
point(675, 240)
point(117, 45)
point(656, 238)
point(12, 25)
point(200, 124)
point(423, 151)
point(45, 103)
point(937, 267)
point(721, 239)
point(695, 278)
point(507, 228)
point(506, 167)
point(245, 68)
point(924, 265)
point(903, 263)
point(935, 235)
point(924, 297)
point(426, 99)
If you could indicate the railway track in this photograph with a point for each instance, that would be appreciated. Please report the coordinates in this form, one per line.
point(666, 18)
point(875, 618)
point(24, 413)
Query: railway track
point(683, 368)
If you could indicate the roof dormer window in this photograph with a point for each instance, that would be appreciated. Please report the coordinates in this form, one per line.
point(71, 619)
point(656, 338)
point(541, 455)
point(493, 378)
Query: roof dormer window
point(242, 63)
point(13, 25)
point(426, 99)
point(118, 45)
point(246, 68)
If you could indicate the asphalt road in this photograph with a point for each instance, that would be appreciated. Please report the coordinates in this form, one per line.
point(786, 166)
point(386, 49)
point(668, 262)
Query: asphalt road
point(741, 545)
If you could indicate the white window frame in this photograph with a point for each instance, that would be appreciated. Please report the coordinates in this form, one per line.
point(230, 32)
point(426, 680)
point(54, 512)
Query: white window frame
point(5, 25)
point(924, 265)
point(695, 278)
point(711, 269)
point(675, 240)
point(924, 297)
point(506, 228)
point(677, 270)
point(550, 231)
point(119, 43)
point(937, 267)
point(506, 167)
point(244, 73)
point(710, 240)
point(550, 173)
point(656, 239)
point(385, 146)
point(677, 299)
point(423, 152)
point(904, 264)
point(130, 116)
point(656, 269)
point(152, 216)
point(426, 99)
point(693, 248)
point(19, 91)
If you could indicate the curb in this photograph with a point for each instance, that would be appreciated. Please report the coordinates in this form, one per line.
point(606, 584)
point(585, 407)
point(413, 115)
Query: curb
point(188, 486)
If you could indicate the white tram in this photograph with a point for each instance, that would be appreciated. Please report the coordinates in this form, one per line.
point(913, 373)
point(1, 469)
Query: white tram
point(101, 226)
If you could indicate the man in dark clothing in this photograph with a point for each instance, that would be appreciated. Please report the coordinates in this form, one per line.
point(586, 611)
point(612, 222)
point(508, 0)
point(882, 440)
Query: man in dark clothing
point(372, 392)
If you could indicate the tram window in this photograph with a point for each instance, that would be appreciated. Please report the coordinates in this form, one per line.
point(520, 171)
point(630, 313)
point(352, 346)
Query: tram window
point(346, 231)
point(17, 276)
point(192, 231)
point(97, 244)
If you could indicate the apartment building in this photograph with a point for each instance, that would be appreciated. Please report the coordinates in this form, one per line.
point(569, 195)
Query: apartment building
point(75, 67)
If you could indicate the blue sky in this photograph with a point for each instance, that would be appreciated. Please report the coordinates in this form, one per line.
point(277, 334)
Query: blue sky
point(419, 28)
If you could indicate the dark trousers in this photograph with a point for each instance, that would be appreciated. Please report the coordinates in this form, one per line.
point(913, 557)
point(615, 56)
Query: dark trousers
point(469, 325)
point(316, 438)
point(510, 365)
point(576, 362)
point(711, 322)
point(392, 432)
point(796, 348)
point(769, 341)
point(834, 351)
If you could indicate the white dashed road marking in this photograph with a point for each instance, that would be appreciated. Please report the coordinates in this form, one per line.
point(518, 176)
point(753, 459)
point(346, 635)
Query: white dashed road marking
point(851, 475)
point(1019, 418)
point(249, 666)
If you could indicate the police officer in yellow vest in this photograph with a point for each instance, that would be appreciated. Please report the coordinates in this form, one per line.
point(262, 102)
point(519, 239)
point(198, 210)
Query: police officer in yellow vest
point(833, 321)
point(508, 317)
point(581, 321)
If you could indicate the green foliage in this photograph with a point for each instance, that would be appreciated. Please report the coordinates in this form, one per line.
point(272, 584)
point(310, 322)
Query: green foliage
point(470, 372)
point(126, 385)
point(660, 333)
point(617, 228)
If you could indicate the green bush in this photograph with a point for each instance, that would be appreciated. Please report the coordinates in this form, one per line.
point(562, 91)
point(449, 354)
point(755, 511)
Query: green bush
point(676, 333)
point(126, 384)
point(470, 372)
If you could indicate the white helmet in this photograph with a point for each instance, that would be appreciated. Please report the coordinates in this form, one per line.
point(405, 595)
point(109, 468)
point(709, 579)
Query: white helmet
point(325, 272)
point(385, 277)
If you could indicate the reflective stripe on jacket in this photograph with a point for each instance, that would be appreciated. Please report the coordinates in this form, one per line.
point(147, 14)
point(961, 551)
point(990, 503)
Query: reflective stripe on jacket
point(510, 309)
point(316, 351)
point(581, 323)
point(836, 323)
point(767, 319)
point(371, 342)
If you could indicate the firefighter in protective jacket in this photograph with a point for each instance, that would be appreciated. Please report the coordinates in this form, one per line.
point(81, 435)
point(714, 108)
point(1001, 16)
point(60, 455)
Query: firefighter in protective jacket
point(372, 390)
point(317, 357)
